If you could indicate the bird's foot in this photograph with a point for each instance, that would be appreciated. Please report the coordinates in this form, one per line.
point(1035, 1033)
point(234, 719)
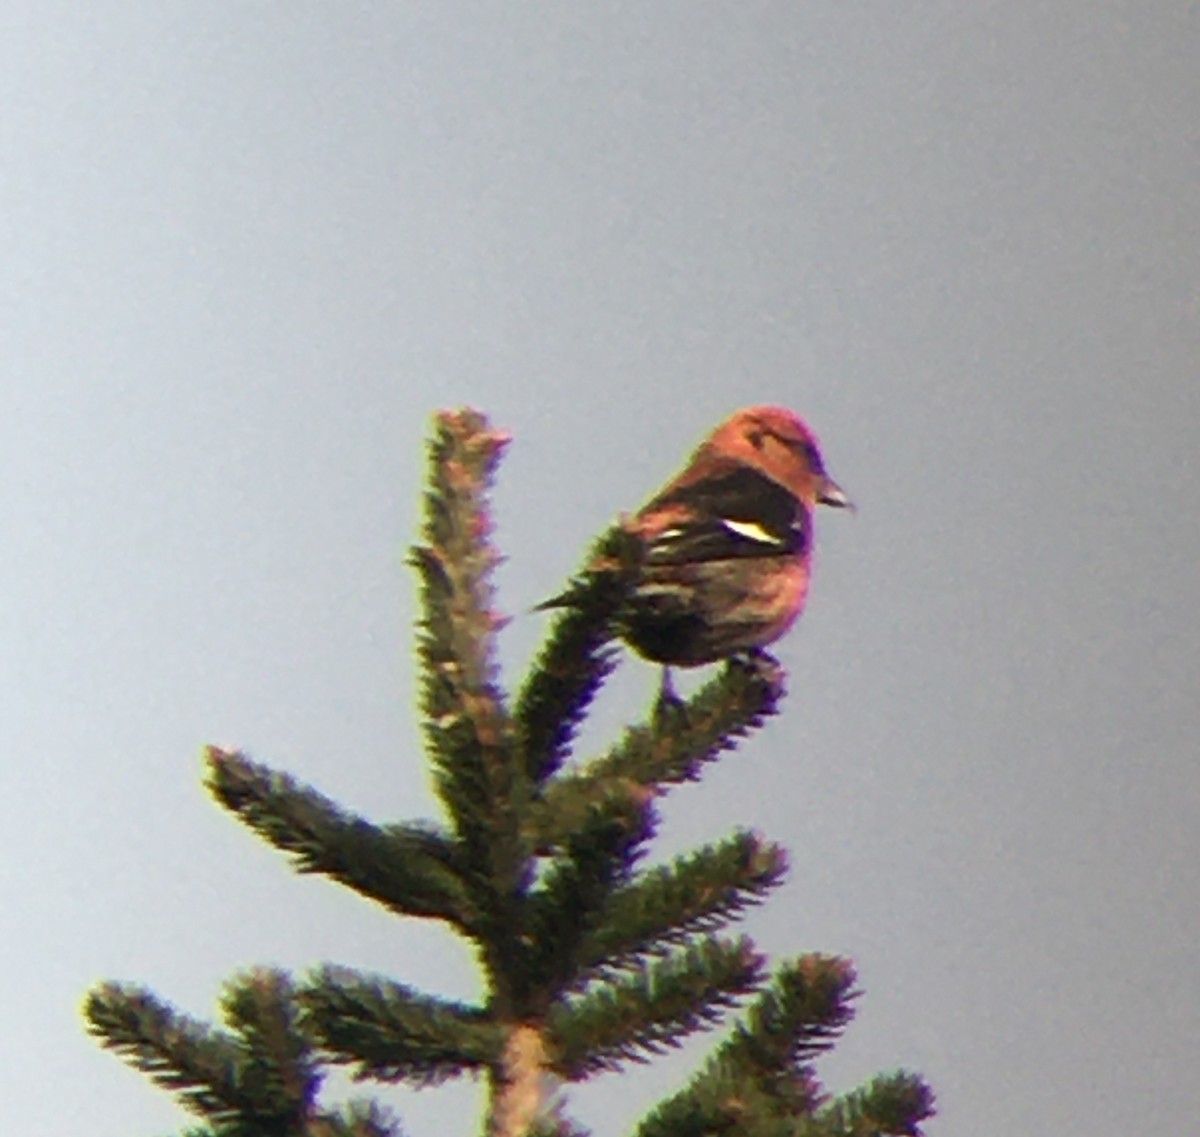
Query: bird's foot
point(763, 666)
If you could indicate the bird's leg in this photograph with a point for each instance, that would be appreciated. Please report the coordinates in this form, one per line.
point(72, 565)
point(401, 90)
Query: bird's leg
point(668, 704)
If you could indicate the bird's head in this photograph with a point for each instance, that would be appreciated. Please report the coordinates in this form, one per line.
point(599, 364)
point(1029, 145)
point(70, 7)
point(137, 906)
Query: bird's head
point(781, 443)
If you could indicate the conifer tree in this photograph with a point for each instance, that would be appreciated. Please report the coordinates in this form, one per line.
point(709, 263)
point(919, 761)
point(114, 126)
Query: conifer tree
point(589, 961)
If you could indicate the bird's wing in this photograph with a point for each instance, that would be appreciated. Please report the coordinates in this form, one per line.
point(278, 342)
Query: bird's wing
point(737, 513)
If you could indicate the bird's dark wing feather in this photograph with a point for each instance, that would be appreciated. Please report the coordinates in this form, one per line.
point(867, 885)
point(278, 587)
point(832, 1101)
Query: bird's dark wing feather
point(741, 513)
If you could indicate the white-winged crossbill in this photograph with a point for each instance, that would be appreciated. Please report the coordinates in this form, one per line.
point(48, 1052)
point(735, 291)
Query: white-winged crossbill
point(726, 546)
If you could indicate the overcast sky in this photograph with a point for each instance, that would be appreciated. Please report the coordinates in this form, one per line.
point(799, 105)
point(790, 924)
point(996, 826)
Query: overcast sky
point(247, 250)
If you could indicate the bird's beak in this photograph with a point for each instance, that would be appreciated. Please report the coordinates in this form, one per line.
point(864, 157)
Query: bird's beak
point(832, 494)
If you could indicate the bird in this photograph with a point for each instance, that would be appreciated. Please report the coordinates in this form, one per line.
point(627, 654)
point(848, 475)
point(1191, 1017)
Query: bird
point(725, 547)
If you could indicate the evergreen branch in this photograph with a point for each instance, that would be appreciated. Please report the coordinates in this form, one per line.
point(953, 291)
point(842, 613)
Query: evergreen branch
point(555, 1122)
point(674, 748)
point(696, 894)
point(571, 800)
point(670, 750)
point(410, 870)
point(890, 1105)
point(577, 656)
point(760, 1078)
point(213, 1073)
point(576, 888)
point(798, 1017)
point(357, 1119)
point(468, 733)
point(724, 1105)
point(390, 1032)
point(366, 1120)
point(260, 1007)
point(652, 1009)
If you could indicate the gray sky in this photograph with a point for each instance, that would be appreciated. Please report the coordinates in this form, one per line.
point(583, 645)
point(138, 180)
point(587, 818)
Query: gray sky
point(245, 251)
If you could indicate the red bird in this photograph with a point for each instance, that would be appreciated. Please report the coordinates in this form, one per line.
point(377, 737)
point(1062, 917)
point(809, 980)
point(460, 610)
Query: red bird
point(727, 544)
